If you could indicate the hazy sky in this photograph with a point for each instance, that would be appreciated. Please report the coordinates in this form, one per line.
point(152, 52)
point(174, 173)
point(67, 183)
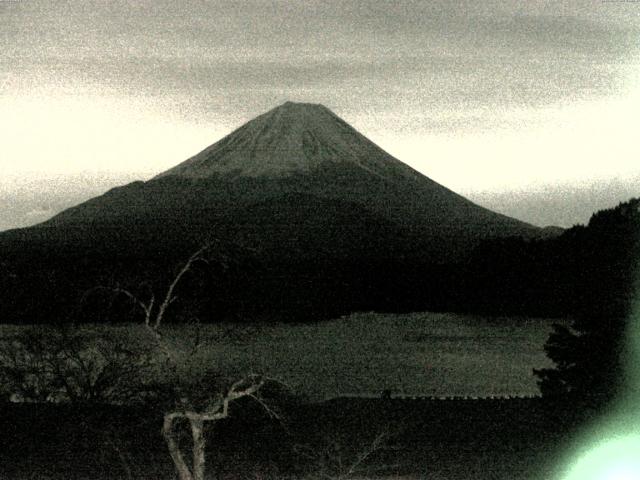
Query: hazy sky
point(528, 107)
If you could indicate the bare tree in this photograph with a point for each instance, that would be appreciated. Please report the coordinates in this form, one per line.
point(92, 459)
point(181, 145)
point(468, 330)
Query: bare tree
point(216, 405)
point(58, 364)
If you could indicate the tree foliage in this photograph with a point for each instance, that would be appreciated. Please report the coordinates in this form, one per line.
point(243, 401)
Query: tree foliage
point(590, 355)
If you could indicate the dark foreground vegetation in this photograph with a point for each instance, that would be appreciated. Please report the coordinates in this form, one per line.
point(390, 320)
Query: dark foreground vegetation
point(342, 438)
point(552, 277)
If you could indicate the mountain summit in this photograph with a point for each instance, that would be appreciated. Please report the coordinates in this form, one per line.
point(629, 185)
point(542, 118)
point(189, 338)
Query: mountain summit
point(294, 137)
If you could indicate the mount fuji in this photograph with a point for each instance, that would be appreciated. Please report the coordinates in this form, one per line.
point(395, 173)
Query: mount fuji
point(316, 201)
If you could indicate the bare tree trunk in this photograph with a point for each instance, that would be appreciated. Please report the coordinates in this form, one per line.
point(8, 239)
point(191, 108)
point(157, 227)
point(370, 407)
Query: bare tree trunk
point(174, 450)
point(197, 427)
point(245, 387)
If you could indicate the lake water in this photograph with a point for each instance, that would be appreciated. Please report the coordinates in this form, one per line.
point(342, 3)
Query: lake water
point(419, 354)
point(424, 354)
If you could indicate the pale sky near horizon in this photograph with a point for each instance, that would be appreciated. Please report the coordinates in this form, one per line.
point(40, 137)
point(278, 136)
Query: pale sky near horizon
point(530, 105)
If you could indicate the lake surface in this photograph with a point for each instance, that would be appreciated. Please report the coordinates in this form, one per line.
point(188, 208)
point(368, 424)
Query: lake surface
point(414, 354)
point(418, 354)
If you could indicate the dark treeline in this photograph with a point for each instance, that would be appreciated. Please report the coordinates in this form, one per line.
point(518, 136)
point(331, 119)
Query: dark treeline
point(557, 277)
point(592, 357)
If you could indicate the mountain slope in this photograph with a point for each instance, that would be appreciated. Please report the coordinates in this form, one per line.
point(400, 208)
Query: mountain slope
point(298, 148)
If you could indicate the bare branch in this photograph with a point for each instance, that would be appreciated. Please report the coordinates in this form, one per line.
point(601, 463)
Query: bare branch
point(147, 308)
point(270, 411)
point(335, 464)
point(170, 297)
point(235, 393)
point(375, 445)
